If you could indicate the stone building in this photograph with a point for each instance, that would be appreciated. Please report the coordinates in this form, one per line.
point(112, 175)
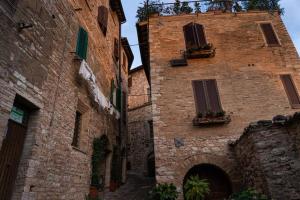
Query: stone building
point(140, 132)
point(211, 75)
point(63, 76)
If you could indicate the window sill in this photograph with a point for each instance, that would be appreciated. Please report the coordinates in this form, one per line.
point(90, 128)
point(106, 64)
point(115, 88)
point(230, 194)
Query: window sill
point(205, 52)
point(79, 150)
point(203, 121)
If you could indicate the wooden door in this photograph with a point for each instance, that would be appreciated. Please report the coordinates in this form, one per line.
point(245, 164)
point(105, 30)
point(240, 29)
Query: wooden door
point(10, 155)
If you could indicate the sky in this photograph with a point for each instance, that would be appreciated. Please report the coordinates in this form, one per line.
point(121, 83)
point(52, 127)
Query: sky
point(291, 19)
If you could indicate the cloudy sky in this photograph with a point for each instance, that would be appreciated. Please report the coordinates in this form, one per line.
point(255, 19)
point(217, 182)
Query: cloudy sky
point(291, 19)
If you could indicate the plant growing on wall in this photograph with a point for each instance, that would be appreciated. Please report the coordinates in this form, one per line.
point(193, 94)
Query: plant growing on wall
point(164, 192)
point(100, 152)
point(196, 188)
point(248, 194)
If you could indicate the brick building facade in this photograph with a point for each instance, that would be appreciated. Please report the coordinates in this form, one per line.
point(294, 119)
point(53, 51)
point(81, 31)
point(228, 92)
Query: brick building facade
point(61, 66)
point(140, 133)
point(201, 65)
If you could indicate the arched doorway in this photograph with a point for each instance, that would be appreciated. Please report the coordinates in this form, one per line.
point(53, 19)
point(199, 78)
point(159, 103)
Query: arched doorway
point(219, 182)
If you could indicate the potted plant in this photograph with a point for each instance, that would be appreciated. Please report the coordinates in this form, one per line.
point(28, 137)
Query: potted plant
point(196, 188)
point(164, 192)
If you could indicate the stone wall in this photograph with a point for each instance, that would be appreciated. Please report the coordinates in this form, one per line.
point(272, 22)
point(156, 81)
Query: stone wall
point(139, 92)
point(247, 74)
point(268, 157)
point(140, 120)
point(39, 64)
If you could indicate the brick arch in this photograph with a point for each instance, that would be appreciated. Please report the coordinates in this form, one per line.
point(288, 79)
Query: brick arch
point(222, 162)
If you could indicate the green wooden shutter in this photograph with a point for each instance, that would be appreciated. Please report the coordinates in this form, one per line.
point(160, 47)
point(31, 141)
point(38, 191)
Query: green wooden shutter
point(82, 43)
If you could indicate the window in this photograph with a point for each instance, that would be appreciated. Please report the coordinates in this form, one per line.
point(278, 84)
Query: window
point(206, 96)
point(116, 49)
point(82, 43)
point(103, 19)
point(290, 90)
point(77, 127)
point(269, 34)
point(194, 36)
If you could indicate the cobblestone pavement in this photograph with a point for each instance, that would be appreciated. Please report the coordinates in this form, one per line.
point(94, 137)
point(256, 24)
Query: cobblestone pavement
point(136, 188)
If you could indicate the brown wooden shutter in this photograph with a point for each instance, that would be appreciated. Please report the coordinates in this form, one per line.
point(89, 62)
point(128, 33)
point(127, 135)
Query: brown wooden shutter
point(103, 18)
point(200, 35)
point(190, 37)
point(291, 90)
point(199, 96)
point(269, 34)
point(116, 49)
point(213, 96)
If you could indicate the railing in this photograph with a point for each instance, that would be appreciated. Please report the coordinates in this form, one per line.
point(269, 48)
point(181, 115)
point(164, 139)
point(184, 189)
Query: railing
point(201, 6)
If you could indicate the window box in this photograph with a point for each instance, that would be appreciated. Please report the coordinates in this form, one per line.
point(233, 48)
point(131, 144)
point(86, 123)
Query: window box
point(206, 51)
point(209, 120)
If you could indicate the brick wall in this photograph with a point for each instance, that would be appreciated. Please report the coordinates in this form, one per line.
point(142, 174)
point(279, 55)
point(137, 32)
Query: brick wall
point(38, 64)
point(247, 73)
point(268, 156)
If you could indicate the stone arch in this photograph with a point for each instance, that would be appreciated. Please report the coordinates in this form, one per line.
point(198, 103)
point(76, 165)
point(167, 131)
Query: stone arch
point(218, 179)
point(223, 162)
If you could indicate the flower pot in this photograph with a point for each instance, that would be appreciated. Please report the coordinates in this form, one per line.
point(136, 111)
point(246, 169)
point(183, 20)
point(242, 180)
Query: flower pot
point(113, 186)
point(93, 192)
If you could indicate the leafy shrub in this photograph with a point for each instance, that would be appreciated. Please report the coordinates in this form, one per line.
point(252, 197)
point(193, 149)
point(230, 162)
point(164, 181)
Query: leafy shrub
point(195, 188)
point(164, 192)
point(248, 194)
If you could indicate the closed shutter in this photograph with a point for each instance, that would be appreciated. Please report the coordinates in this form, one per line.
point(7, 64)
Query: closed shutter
point(199, 96)
point(206, 96)
point(269, 34)
point(82, 43)
point(213, 96)
point(116, 49)
point(103, 19)
point(190, 37)
point(199, 31)
point(291, 90)
point(194, 36)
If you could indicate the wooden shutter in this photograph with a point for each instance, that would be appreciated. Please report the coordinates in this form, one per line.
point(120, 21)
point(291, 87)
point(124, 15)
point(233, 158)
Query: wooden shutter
point(116, 49)
point(206, 96)
point(82, 43)
point(190, 37)
point(103, 18)
point(291, 90)
point(269, 34)
point(200, 35)
point(199, 96)
point(213, 96)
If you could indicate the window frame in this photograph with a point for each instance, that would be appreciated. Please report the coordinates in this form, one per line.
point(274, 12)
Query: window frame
point(294, 106)
point(206, 96)
point(195, 33)
point(265, 37)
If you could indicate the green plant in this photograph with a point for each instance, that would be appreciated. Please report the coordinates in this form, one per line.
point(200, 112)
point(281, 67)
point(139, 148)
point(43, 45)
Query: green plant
point(269, 5)
point(99, 154)
point(164, 192)
point(195, 188)
point(248, 194)
point(221, 113)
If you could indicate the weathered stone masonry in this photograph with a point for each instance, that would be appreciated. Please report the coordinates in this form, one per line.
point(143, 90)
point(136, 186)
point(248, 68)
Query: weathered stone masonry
point(268, 156)
point(247, 74)
point(38, 64)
